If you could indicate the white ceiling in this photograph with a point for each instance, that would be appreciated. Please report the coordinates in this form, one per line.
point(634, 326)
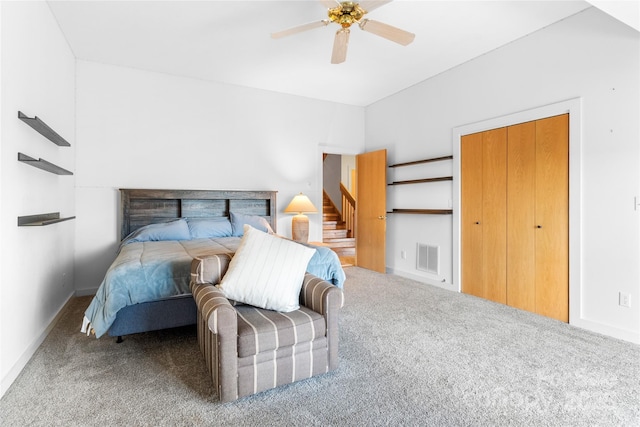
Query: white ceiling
point(229, 41)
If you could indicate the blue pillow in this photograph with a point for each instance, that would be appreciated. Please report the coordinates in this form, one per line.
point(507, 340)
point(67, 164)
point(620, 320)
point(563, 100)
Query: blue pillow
point(239, 220)
point(172, 230)
point(202, 228)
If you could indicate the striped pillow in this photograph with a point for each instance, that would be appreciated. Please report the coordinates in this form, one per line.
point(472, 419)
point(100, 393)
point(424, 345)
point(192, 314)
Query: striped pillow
point(267, 271)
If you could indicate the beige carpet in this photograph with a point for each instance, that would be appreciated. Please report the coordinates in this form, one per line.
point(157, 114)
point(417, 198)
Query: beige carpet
point(411, 354)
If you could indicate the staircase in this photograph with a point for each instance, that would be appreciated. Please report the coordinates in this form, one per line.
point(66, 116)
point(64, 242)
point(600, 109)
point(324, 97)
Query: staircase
point(335, 234)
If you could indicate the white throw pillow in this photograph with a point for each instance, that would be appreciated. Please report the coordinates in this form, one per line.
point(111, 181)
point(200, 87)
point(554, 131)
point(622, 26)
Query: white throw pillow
point(267, 271)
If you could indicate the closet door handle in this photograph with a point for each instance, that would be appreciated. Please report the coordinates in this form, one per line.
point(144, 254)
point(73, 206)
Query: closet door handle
point(538, 226)
point(477, 222)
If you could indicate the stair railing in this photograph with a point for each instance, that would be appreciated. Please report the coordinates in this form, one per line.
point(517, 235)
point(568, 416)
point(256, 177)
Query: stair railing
point(348, 211)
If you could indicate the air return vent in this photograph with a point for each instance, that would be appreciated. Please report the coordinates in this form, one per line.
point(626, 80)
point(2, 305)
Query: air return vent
point(428, 258)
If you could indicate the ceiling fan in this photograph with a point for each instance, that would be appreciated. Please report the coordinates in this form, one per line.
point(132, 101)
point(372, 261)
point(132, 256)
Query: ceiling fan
point(345, 14)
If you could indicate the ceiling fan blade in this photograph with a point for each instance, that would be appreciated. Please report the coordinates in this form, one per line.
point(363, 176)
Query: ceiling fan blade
point(387, 31)
point(340, 44)
point(300, 28)
point(370, 5)
point(329, 4)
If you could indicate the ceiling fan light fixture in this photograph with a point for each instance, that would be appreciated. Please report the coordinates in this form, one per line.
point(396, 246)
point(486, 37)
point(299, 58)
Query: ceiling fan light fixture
point(346, 13)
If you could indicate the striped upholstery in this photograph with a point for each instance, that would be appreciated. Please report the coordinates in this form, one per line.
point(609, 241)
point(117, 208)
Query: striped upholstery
point(210, 269)
point(262, 330)
point(248, 349)
point(287, 365)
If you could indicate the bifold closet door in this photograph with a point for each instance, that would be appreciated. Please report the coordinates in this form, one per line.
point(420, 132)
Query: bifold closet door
point(494, 214)
point(514, 216)
point(483, 189)
point(471, 214)
point(538, 217)
point(552, 217)
point(521, 219)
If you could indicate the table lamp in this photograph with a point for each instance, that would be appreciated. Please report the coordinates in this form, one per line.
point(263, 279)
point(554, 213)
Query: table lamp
point(300, 223)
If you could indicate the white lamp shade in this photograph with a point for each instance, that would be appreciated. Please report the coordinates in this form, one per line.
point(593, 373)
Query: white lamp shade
point(301, 204)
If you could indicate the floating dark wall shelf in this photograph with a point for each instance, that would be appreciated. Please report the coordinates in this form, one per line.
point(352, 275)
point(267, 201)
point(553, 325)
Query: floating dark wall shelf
point(41, 219)
point(43, 129)
point(417, 181)
point(43, 164)
point(417, 162)
point(423, 211)
point(422, 180)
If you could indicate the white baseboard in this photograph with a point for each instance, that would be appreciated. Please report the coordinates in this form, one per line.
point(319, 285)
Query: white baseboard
point(86, 292)
point(582, 323)
point(608, 330)
point(418, 278)
point(15, 370)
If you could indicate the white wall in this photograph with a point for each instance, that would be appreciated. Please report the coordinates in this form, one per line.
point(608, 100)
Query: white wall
point(348, 164)
point(331, 178)
point(138, 129)
point(591, 56)
point(36, 263)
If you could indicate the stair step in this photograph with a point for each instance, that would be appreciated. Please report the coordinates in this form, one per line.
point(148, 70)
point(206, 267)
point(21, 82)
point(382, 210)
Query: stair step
point(334, 225)
point(340, 243)
point(345, 251)
point(339, 246)
point(330, 217)
point(332, 234)
point(347, 261)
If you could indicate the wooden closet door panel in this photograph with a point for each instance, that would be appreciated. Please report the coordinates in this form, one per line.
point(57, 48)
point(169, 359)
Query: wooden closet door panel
point(521, 181)
point(471, 214)
point(494, 214)
point(552, 217)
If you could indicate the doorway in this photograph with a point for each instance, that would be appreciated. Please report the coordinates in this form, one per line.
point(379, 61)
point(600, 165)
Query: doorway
point(338, 205)
point(369, 181)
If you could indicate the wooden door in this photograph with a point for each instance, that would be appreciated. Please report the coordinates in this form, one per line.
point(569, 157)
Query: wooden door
point(471, 214)
point(515, 216)
point(494, 214)
point(371, 187)
point(484, 225)
point(552, 217)
point(521, 182)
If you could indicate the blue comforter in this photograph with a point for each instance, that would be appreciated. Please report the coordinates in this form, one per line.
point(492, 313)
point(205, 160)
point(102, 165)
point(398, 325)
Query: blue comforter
point(150, 270)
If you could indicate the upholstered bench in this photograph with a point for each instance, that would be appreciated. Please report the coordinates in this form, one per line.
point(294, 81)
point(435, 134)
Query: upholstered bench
point(249, 349)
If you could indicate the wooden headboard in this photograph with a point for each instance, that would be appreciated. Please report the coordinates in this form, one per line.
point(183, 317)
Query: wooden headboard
point(140, 207)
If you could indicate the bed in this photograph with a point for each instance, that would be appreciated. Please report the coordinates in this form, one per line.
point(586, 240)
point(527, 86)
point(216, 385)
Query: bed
point(162, 231)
